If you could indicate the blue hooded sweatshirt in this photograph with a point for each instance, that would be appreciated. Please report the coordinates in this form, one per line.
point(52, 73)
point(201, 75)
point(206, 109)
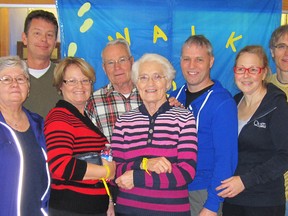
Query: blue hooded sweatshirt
point(216, 117)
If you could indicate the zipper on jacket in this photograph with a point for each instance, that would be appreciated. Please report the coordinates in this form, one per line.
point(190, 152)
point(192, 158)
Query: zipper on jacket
point(262, 115)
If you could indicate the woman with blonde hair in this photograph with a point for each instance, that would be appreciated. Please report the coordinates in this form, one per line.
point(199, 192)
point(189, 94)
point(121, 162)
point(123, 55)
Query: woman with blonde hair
point(77, 187)
point(257, 187)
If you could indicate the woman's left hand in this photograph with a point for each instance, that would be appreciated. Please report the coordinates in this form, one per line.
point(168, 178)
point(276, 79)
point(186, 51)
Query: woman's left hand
point(125, 181)
point(159, 165)
point(231, 187)
point(110, 211)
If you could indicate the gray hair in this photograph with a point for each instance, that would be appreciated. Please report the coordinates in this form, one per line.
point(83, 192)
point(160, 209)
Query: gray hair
point(151, 57)
point(116, 42)
point(277, 34)
point(199, 40)
point(14, 61)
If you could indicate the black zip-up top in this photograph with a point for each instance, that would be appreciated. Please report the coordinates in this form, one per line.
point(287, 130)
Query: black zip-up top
point(263, 152)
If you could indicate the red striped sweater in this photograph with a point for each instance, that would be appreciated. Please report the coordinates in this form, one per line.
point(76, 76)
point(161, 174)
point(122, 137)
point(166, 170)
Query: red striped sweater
point(69, 133)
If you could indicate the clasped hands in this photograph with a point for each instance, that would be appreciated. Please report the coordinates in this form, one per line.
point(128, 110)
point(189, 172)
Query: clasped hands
point(157, 165)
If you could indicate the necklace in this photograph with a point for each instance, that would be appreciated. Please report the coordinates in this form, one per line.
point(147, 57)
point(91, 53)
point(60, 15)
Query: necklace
point(13, 124)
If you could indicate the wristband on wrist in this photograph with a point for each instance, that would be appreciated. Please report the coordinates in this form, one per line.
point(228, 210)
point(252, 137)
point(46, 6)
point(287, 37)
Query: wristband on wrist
point(144, 165)
point(104, 181)
point(107, 171)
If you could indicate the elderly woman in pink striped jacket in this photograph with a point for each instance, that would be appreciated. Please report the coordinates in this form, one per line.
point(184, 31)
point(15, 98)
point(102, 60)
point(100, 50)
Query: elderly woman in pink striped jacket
point(155, 146)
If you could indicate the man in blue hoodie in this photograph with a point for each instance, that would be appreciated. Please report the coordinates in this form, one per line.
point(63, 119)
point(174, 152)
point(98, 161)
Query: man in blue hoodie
point(216, 114)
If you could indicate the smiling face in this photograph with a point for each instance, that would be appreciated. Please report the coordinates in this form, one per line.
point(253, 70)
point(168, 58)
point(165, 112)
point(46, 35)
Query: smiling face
point(118, 73)
point(280, 55)
point(79, 93)
point(152, 90)
point(196, 64)
point(250, 83)
point(40, 40)
point(13, 93)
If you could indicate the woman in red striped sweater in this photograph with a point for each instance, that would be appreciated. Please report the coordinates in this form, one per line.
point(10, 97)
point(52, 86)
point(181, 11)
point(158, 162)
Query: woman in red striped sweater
point(76, 184)
point(155, 147)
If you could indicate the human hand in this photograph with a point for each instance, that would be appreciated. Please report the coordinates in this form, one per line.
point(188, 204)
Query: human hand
point(159, 165)
point(207, 212)
point(112, 167)
point(110, 211)
point(231, 187)
point(125, 181)
point(174, 102)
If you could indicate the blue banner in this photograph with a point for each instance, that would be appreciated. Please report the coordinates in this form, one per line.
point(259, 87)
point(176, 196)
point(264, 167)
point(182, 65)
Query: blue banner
point(161, 26)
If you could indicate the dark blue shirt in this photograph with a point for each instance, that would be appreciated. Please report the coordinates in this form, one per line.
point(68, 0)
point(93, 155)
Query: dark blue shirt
point(34, 174)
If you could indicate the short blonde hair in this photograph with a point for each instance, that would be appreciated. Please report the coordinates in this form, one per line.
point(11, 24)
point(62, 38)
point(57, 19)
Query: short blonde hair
point(60, 70)
point(260, 52)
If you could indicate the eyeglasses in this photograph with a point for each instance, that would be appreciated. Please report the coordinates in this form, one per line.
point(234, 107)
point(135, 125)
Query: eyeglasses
point(155, 77)
point(121, 61)
point(74, 82)
point(281, 47)
point(21, 79)
point(251, 70)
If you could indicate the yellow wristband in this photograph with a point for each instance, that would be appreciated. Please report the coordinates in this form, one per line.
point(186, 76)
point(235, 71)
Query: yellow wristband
point(107, 171)
point(144, 165)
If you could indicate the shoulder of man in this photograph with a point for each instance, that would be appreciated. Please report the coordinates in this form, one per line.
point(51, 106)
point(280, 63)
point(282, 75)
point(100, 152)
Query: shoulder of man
point(101, 91)
point(219, 90)
point(175, 92)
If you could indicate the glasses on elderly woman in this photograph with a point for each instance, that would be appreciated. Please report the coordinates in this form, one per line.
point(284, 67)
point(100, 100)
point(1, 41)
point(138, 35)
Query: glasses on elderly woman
point(21, 79)
point(74, 82)
point(155, 77)
point(251, 70)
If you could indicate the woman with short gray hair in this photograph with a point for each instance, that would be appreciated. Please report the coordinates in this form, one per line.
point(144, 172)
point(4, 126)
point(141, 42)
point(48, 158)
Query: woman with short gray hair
point(25, 179)
point(155, 146)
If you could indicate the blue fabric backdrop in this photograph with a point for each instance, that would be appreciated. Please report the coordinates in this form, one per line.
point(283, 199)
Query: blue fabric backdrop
point(161, 26)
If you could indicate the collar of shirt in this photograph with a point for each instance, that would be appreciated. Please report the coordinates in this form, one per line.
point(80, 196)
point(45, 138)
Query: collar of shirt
point(111, 89)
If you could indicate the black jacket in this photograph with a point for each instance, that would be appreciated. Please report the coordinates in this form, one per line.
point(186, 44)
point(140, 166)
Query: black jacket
point(263, 152)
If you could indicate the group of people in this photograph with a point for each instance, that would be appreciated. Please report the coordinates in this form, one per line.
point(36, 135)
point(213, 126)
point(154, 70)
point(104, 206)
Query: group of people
point(198, 153)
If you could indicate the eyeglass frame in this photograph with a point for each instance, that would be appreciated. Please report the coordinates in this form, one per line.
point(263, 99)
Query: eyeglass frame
point(25, 80)
point(281, 47)
point(122, 60)
point(153, 77)
point(247, 69)
point(74, 82)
